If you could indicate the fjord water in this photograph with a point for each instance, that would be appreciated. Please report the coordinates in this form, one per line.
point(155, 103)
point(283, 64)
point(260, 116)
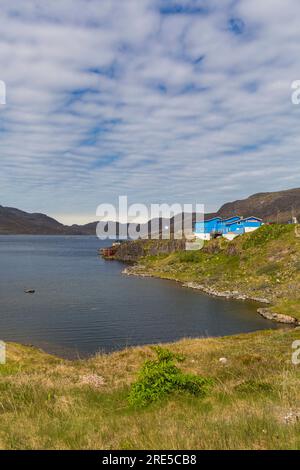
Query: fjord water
point(84, 304)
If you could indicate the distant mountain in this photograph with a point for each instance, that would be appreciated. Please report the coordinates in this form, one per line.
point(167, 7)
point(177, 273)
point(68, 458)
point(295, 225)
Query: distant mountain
point(278, 207)
point(87, 229)
point(14, 222)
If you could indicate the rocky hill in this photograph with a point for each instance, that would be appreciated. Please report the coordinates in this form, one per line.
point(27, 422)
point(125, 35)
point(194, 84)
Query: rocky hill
point(277, 207)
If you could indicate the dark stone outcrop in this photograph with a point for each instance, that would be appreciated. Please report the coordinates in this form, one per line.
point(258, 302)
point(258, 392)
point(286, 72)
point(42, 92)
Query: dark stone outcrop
point(132, 251)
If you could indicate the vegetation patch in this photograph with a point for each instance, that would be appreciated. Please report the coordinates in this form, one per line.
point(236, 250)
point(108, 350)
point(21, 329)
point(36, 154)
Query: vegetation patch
point(159, 378)
point(189, 256)
point(265, 234)
point(251, 402)
point(249, 387)
point(289, 307)
point(269, 269)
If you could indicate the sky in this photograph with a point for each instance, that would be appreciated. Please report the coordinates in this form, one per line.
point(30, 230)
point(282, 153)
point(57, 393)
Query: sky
point(163, 101)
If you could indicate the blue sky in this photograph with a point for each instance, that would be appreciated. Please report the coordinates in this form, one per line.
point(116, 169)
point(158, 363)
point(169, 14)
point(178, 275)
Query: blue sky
point(161, 100)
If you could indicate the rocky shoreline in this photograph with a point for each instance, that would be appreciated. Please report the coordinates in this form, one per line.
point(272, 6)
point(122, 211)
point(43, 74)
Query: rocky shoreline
point(278, 317)
point(236, 295)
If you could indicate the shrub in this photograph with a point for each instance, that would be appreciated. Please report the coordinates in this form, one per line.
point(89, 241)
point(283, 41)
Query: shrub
point(158, 378)
point(252, 387)
point(189, 256)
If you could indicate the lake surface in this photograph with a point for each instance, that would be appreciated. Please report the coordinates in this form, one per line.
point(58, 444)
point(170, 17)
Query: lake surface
point(84, 304)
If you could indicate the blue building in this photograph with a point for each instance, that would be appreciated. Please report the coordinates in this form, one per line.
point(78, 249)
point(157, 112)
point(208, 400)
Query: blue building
point(228, 228)
point(208, 226)
point(225, 223)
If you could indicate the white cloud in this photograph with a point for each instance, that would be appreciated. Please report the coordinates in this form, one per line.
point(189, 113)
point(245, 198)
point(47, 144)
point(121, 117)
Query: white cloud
point(119, 98)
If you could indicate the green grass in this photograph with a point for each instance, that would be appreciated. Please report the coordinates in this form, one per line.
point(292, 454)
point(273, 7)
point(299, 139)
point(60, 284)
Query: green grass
point(265, 234)
point(51, 403)
point(288, 307)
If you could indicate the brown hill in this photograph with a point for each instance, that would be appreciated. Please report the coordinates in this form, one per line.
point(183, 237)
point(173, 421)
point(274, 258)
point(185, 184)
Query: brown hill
point(280, 206)
point(14, 221)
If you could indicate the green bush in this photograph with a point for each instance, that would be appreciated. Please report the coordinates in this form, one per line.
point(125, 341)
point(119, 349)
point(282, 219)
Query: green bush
point(189, 256)
point(158, 378)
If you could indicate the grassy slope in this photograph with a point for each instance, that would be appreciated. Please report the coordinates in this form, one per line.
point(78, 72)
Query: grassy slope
point(46, 402)
point(265, 263)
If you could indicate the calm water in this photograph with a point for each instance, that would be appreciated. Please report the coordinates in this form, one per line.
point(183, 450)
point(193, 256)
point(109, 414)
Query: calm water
point(83, 304)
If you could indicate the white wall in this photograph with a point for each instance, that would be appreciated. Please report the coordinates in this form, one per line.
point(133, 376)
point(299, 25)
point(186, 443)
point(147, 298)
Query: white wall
point(203, 236)
point(230, 236)
point(250, 229)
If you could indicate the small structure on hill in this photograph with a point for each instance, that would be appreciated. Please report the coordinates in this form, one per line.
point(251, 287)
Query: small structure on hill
point(228, 228)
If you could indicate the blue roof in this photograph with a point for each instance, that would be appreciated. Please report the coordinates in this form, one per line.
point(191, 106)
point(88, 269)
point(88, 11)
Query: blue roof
point(243, 220)
point(252, 217)
point(213, 218)
point(233, 217)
